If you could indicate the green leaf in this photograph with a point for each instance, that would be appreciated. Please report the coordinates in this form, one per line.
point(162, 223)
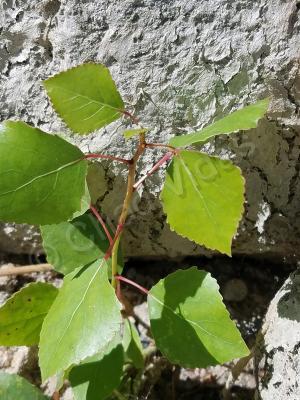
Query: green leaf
point(82, 321)
point(21, 317)
point(97, 377)
point(85, 97)
point(85, 203)
point(42, 176)
point(134, 132)
point(203, 198)
point(74, 244)
point(240, 120)
point(132, 344)
point(190, 323)
point(14, 387)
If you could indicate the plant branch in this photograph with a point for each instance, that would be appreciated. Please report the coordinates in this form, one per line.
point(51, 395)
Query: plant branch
point(99, 218)
point(163, 160)
point(27, 269)
point(129, 192)
point(56, 396)
point(130, 282)
point(132, 117)
point(106, 157)
point(111, 246)
point(163, 146)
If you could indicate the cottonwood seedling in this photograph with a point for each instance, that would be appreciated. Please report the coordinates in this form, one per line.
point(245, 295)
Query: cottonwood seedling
point(80, 330)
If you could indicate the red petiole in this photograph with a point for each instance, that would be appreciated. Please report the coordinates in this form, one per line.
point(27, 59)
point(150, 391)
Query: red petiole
point(163, 160)
point(132, 117)
point(110, 249)
point(130, 282)
point(99, 218)
point(131, 187)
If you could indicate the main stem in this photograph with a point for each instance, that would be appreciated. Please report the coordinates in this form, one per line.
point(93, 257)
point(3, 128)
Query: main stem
point(126, 204)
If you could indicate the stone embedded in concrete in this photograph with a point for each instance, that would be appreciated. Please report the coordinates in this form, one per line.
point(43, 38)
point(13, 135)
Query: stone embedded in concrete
point(181, 64)
point(278, 347)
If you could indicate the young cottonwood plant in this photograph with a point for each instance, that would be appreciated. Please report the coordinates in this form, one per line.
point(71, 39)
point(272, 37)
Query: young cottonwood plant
point(80, 331)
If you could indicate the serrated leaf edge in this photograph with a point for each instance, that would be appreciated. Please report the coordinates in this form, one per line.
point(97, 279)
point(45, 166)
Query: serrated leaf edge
point(267, 99)
point(229, 254)
point(74, 131)
point(174, 361)
point(78, 360)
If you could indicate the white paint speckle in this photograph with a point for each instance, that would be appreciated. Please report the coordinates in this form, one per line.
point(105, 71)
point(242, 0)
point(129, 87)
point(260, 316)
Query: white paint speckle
point(262, 216)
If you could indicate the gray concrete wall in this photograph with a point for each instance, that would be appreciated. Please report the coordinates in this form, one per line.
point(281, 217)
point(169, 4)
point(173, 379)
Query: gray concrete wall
point(181, 64)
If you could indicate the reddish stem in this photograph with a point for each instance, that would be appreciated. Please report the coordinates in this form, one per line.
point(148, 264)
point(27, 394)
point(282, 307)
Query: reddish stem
point(107, 157)
point(163, 146)
point(130, 282)
point(163, 160)
point(118, 291)
point(117, 234)
point(132, 117)
point(99, 218)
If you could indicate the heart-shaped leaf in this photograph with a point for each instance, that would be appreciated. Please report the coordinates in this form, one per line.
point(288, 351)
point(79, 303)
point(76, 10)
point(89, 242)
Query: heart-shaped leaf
point(82, 321)
point(240, 120)
point(203, 198)
point(98, 376)
point(14, 387)
point(21, 317)
point(85, 97)
point(190, 323)
point(42, 177)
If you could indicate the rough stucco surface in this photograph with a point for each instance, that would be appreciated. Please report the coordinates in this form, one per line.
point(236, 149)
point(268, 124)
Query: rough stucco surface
point(278, 347)
point(181, 64)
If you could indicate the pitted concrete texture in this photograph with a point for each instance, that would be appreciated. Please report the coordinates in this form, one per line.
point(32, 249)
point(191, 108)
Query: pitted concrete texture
point(278, 348)
point(181, 65)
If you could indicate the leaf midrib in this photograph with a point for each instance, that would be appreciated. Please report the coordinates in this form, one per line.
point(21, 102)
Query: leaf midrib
point(75, 311)
point(206, 207)
point(36, 178)
point(86, 98)
point(190, 321)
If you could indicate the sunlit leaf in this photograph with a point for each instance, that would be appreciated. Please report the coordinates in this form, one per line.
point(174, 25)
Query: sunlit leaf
point(21, 317)
point(240, 120)
point(190, 323)
point(85, 203)
point(129, 133)
point(203, 198)
point(14, 387)
point(82, 321)
point(42, 177)
point(85, 97)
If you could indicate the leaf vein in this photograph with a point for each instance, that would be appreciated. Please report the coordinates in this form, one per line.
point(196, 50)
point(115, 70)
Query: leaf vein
point(190, 321)
point(57, 170)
